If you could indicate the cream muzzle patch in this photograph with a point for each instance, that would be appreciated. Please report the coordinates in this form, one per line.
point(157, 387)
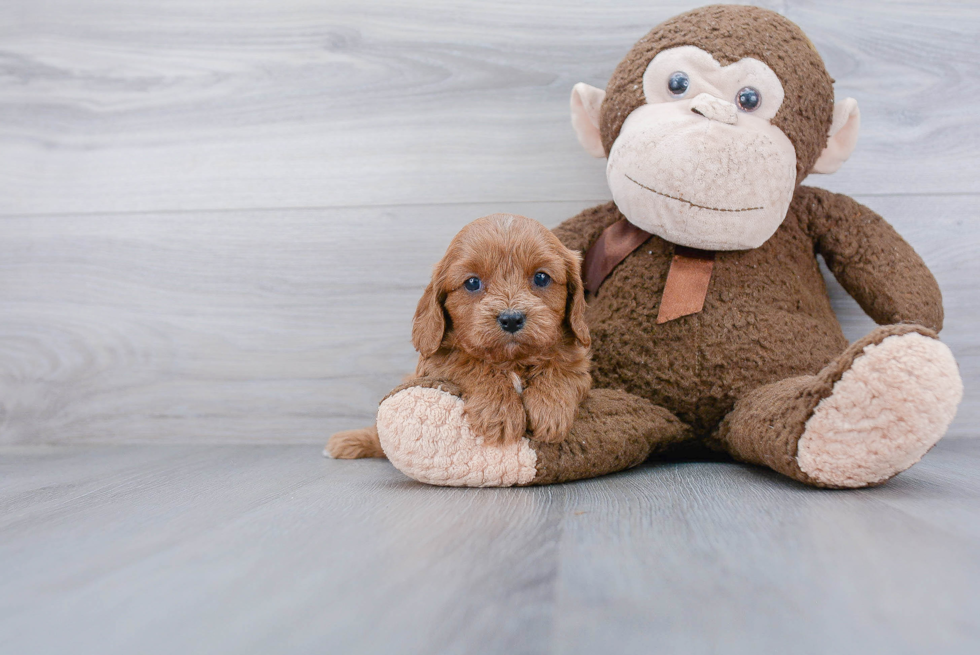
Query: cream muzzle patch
point(700, 164)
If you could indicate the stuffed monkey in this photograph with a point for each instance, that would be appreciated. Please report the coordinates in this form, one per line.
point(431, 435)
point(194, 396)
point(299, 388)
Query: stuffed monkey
point(711, 325)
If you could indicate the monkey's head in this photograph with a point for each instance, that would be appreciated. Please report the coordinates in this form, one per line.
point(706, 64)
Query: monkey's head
point(710, 123)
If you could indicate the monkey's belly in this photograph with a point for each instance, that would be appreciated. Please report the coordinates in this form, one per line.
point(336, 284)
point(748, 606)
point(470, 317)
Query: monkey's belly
point(699, 365)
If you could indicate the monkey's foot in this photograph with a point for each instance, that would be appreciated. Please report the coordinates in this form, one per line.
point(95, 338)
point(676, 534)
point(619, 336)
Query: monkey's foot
point(891, 406)
point(425, 435)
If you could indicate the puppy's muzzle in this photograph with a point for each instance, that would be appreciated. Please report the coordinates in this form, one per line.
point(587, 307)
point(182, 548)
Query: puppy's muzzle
point(511, 321)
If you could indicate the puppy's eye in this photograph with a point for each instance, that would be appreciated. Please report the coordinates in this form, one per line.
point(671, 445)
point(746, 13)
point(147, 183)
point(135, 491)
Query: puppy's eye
point(473, 284)
point(748, 99)
point(542, 279)
point(678, 83)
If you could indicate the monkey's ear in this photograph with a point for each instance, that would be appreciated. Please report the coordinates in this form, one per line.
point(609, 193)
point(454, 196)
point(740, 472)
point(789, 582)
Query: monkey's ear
point(586, 101)
point(575, 304)
point(843, 137)
point(429, 325)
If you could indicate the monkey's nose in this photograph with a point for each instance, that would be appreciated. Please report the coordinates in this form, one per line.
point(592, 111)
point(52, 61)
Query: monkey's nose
point(510, 320)
point(715, 109)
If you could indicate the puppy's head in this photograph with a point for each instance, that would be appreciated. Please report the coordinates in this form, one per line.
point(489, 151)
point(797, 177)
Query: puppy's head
point(507, 289)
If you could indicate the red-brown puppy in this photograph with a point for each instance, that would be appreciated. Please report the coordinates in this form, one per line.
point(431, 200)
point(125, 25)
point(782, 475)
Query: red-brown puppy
point(504, 319)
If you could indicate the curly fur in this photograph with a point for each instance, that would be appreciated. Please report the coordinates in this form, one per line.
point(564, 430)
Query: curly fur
point(531, 380)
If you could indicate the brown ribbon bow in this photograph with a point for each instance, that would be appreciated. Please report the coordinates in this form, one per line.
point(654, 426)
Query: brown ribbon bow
point(687, 280)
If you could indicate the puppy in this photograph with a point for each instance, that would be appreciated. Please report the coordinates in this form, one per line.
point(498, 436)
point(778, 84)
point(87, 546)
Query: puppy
point(504, 319)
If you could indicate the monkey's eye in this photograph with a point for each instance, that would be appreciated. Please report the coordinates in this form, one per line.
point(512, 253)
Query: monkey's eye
point(473, 284)
point(542, 279)
point(678, 83)
point(748, 99)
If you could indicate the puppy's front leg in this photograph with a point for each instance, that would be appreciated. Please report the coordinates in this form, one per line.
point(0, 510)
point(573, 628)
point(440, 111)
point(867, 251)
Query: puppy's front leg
point(495, 412)
point(552, 399)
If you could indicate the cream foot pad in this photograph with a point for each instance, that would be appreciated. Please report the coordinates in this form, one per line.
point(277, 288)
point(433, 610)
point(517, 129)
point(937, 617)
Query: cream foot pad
point(424, 434)
point(893, 404)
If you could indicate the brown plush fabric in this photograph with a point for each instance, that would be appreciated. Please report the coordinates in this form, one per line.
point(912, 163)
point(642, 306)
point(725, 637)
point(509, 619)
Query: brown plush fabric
point(766, 343)
point(613, 431)
point(583, 230)
point(767, 316)
point(870, 259)
point(766, 424)
point(731, 33)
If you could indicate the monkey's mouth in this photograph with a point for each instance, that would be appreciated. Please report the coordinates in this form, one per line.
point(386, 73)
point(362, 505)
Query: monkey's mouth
point(688, 202)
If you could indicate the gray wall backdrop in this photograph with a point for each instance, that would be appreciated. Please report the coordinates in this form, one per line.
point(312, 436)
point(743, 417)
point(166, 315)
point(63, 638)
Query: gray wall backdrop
point(216, 217)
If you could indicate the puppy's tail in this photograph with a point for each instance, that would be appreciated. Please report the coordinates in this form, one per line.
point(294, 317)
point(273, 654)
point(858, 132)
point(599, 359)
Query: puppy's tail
point(354, 444)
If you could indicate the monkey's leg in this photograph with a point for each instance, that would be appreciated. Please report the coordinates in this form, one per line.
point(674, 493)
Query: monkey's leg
point(867, 416)
point(424, 434)
point(354, 444)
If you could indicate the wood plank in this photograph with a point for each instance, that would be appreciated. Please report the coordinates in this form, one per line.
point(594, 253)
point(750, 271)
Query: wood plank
point(283, 326)
point(740, 562)
point(114, 106)
point(268, 549)
point(257, 549)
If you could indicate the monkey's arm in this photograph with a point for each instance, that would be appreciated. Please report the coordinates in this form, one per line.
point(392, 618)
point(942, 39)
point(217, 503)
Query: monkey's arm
point(870, 259)
point(581, 231)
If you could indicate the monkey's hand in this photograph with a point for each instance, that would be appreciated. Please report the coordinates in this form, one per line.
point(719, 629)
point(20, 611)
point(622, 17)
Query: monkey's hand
point(551, 400)
point(498, 417)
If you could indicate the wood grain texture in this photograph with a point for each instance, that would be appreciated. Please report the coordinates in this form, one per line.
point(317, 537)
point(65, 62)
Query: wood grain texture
point(260, 549)
point(283, 326)
point(107, 105)
point(216, 219)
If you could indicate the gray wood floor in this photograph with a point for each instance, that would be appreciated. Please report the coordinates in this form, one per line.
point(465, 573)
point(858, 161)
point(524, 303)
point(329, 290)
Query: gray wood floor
point(271, 549)
point(215, 221)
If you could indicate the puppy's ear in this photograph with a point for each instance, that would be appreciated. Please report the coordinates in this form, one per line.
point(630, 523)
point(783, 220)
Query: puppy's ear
point(575, 305)
point(429, 325)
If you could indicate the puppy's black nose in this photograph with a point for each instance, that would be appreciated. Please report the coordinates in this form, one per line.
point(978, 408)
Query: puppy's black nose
point(510, 320)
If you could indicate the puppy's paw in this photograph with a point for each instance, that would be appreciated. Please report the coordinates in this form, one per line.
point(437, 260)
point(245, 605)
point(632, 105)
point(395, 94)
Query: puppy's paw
point(547, 420)
point(515, 424)
point(497, 425)
point(354, 444)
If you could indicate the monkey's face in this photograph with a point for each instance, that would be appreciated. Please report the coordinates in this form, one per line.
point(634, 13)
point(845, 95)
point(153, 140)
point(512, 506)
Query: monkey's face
point(708, 155)
point(700, 164)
